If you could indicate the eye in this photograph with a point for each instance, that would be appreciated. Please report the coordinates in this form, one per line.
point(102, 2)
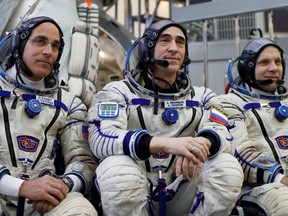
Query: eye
point(263, 62)
point(278, 62)
point(56, 45)
point(181, 42)
point(39, 41)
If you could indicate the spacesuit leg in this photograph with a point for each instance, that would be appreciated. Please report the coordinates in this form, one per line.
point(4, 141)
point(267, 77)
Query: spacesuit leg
point(74, 204)
point(269, 199)
point(123, 186)
point(219, 186)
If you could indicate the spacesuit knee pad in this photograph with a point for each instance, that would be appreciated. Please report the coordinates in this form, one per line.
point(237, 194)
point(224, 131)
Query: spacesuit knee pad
point(120, 172)
point(122, 185)
point(223, 175)
point(271, 199)
point(74, 203)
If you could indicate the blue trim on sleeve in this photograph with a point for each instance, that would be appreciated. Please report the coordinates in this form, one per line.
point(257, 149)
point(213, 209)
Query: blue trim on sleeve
point(126, 142)
point(216, 145)
point(130, 143)
point(4, 171)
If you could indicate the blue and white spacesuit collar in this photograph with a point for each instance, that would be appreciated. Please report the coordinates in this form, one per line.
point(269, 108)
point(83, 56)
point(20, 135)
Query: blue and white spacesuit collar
point(256, 93)
point(136, 84)
point(33, 87)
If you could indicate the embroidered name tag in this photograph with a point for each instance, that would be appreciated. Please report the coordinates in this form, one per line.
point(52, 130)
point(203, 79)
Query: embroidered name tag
point(174, 104)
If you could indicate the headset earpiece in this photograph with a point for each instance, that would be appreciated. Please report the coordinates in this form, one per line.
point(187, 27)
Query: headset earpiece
point(14, 45)
point(143, 50)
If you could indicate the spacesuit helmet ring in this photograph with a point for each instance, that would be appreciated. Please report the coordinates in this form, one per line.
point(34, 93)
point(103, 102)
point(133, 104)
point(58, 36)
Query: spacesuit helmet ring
point(247, 60)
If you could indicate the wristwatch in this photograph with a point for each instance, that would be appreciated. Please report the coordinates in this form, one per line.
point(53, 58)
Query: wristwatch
point(68, 181)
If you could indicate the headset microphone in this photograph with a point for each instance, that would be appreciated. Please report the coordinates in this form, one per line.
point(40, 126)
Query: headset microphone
point(163, 63)
point(264, 82)
point(269, 81)
point(280, 82)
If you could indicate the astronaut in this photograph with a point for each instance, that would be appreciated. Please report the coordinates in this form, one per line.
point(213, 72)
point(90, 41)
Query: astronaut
point(163, 145)
point(40, 120)
point(256, 106)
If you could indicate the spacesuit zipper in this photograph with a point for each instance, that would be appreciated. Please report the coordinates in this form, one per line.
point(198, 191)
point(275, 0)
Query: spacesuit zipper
point(47, 129)
point(264, 132)
point(8, 133)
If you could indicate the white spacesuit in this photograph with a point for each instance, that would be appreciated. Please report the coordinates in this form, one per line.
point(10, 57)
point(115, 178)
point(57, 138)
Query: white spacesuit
point(259, 128)
point(126, 114)
point(35, 124)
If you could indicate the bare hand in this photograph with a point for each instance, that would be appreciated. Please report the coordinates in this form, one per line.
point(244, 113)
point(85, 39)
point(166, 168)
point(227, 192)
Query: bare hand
point(46, 188)
point(195, 149)
point(41, 206)
point(187, 168)
point(284, 180)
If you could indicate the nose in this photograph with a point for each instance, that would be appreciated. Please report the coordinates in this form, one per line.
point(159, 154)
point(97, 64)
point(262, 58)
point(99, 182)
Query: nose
point(273, 66)
point(48, 49)
point(173, 46)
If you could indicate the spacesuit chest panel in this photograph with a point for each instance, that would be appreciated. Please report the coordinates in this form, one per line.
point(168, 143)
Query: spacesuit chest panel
point(171, 119)
point(270, 126)
point(24, 138)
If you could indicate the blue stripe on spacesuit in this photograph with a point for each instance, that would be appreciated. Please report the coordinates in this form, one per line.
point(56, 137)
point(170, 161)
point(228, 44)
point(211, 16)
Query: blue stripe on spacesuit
point(3, 171)
point(166, 104)
point(259, 105)
point(108, 138)
point(199, 200)
point(237, 155)
point(72, 122)
point(209, 96)
point(126, 142)
point(45, 100)
point(130, 143)
point(263, 165)
point(75, 108)
point(6, 94)
point(141, 101)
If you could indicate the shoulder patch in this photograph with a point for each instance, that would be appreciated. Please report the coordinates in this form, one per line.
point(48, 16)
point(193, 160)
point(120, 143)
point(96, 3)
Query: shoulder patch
point(217, 115)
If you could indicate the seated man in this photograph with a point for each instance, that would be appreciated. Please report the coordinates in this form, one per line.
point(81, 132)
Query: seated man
point(37, 118)
point(257, 109)
point(163, 144)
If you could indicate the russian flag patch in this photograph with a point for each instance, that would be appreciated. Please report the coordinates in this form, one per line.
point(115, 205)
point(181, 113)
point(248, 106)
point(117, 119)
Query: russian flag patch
point(217, 116)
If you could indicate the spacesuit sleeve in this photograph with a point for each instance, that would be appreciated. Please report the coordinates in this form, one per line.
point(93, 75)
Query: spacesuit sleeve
point(257, 168)
point(77, 155)
point(213, 125)
point(111, 136)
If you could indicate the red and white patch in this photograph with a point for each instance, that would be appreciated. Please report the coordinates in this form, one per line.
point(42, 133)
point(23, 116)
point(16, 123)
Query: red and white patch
point(282, 142)
point(27, 143)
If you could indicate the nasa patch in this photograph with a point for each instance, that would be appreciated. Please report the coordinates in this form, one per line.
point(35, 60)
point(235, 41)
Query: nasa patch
point(27, 143)
point(282, 142)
